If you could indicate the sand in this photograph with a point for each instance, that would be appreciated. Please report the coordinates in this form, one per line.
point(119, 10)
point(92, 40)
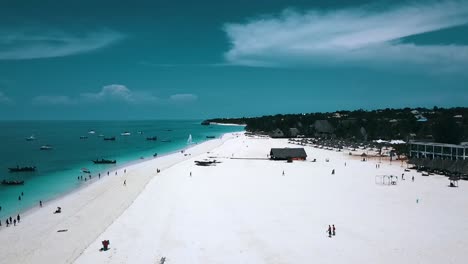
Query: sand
point(243, 210)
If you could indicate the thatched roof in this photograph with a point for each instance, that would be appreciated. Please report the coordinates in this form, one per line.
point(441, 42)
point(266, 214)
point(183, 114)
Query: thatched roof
point(287, 153)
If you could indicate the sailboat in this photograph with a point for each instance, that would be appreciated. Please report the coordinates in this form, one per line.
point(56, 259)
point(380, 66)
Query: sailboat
point(189, 140)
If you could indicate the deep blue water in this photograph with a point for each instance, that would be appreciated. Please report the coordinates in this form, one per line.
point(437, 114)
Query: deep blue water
point(58, 169)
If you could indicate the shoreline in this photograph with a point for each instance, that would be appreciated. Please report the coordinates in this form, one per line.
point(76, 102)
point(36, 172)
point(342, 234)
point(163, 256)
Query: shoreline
point(83, 185)
point(88, 211)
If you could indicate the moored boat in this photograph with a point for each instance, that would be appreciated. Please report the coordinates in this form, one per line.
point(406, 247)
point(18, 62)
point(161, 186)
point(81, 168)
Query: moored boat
point(5, 182)
point(126, 133)
point(109, 138)
point(152, 138)
point(210, 137)
point(22, 169)
point(104, 161)
point(31, 138)
point(46, 147)
point(85, 170)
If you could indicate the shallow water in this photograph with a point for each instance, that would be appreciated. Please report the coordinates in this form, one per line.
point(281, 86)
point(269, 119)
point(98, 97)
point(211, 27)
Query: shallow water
point(58, 169)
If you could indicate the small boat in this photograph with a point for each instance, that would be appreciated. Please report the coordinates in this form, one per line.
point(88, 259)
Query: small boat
point(155, 155)
point(109, 138)
point(101, 135)
point(46, 147)
point(152, 138)
point(210, 137)
point(91, 132)
point(189, 140)
point(140, 132)
point(166, 140)
point(22, 169)
point(31, 138)
point(5, 182)
point(125, 133)
point(83, 137)
point(85, 170)
point(104, 161)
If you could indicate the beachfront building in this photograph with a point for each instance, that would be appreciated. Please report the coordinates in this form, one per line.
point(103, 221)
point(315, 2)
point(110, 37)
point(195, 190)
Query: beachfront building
point(288, 154)
point(433, 150)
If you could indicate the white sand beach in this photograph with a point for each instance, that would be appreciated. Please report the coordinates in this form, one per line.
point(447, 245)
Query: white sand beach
point(244, 210)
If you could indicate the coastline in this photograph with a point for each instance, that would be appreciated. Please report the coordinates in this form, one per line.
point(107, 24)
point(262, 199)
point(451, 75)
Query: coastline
point(87, 211)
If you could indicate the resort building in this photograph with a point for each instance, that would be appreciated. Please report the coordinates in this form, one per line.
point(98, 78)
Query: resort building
point(438, 150)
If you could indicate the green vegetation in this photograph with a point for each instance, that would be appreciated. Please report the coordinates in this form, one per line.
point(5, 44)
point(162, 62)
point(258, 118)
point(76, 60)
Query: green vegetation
point(436, 124)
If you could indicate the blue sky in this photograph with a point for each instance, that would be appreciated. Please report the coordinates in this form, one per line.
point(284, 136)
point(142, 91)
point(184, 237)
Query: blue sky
point(201, 59)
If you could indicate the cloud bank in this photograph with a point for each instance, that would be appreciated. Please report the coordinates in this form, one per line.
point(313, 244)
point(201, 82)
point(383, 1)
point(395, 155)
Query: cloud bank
point(361, 35)
point(33, 44)
point(110, 93)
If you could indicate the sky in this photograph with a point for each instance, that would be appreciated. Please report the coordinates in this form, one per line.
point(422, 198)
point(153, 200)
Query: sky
point(70, 60)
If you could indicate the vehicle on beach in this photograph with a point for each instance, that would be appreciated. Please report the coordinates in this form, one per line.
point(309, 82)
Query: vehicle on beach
point(22, 169)
point(126, 133)
point(109, 138)
point(31, 138)
point(152, 138)
point(46, 147)
point(104, 161)
point(5, 182)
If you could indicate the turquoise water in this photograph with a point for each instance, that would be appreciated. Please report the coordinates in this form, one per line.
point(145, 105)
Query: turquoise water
point(58, 169)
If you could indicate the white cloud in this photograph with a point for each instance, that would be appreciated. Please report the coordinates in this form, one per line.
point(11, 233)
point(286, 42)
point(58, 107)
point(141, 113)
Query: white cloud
point(53, 100)
point(4, 99)
point(183, 97)
point(118, 92)
point(366, 34)
point(32, 44)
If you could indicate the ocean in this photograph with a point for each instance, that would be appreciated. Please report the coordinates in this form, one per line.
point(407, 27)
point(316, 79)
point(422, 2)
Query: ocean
point(58, 168)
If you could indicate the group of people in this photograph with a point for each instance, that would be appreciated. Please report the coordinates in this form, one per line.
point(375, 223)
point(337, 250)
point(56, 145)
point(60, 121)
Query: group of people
point(11, 221)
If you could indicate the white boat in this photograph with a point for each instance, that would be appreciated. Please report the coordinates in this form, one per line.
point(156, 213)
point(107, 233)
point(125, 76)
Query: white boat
point(189, 140)
point(125, 133)
point(46, 147)
point(91, 132)
point(101, 135)
point(31, 138)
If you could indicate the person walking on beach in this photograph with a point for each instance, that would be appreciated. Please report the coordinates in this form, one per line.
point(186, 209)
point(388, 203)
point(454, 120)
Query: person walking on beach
point(190, 174)
point(125, 170)
point(125, 182)
point(333, 171)
point(99, 175)
point(329, 230)
point(11, 220)
point(40, 203)
point(107, 173)
point(7, 223)
point(18, 218)
point(14, 222)
point(333, 230)
point(412, 178)
point(283, 172)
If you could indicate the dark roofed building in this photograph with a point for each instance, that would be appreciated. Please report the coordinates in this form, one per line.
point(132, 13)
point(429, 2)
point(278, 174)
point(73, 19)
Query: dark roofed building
point(288, 154)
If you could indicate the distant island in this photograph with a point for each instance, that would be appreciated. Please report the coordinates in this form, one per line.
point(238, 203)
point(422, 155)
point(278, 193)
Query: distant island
point(445, 125)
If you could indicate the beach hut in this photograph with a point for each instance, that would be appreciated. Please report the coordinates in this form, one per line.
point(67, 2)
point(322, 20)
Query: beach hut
point(288, 154)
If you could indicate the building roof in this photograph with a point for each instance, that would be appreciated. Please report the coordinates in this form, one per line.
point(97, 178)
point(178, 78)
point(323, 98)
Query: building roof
point(436, 144)
point(286, 153)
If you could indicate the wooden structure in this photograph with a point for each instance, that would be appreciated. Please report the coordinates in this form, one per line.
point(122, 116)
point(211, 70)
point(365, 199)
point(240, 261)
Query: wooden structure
point(288, 154)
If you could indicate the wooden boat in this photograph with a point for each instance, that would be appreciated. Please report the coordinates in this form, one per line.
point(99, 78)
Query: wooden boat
point(104, 161)
point(22, 169)
point(5, 182)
